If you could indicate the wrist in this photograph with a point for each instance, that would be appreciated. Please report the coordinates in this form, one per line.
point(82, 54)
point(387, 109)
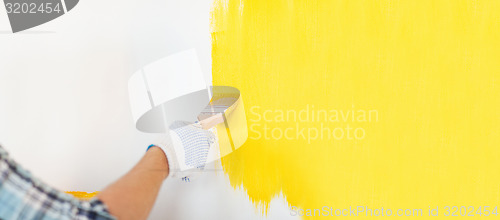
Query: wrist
point(164, 143)
point(159, 161)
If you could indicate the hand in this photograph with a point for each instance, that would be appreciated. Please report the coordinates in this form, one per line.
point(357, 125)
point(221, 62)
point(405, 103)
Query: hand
point(186, 147)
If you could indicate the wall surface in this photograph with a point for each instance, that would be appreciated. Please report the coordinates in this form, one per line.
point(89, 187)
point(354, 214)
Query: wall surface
point(64, 110)
point(416, 83)
point(373, 104)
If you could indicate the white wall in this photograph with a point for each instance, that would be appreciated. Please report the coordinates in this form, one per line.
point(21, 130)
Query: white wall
point(64, 110)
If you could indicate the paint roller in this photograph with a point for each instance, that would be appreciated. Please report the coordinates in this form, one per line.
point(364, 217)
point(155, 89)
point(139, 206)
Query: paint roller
point(226, 112)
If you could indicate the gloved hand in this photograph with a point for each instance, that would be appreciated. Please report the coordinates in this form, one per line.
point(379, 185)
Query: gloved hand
point(186, 146)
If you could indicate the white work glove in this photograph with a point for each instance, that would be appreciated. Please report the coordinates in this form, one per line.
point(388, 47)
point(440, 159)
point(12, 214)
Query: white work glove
point(186, 146)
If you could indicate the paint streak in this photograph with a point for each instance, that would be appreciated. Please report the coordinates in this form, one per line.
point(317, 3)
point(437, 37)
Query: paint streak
point(82, 195)
point(429, 68)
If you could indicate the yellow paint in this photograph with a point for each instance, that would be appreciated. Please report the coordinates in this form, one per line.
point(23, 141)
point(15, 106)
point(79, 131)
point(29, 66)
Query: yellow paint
point(82, 195)
point(430, 68)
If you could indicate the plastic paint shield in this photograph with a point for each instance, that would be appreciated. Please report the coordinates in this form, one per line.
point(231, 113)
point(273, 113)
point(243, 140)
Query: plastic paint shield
point(167, 90)
point(173, 89)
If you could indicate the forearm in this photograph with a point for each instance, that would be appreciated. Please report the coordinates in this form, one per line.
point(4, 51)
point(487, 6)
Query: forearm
point(134, 194)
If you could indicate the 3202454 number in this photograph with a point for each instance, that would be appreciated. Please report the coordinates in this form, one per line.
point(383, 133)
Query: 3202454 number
point(470, 211)
point(33, 8)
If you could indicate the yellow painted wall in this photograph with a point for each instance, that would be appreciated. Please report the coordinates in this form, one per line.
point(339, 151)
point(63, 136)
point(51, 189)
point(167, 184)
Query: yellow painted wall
point(429, 68)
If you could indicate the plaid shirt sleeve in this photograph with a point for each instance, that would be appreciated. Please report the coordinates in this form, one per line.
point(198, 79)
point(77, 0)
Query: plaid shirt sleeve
point(23, 196)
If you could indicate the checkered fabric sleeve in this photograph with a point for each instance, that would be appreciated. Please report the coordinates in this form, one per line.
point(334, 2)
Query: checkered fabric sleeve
point(23, 196)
